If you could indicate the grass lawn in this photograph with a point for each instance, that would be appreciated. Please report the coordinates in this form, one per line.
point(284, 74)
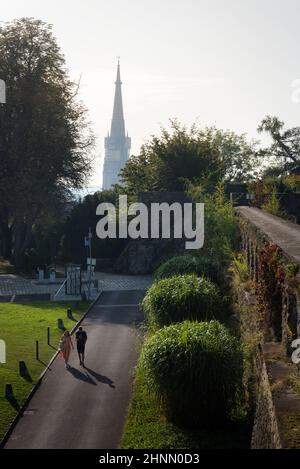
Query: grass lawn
point(20, 326)
point(6, 267)
point(146, 428)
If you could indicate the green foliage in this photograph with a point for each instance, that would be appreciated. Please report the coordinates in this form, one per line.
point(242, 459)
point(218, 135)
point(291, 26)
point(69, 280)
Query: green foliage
point(147, 428)
point(21, 325)
point(45, 138)
point(196, 370)
point(188, 264)
point(273, 204)
point(239, 267)
point(83, 216)
point(168, 162)
point(292, 270)
point(266, 191)
point(285, 146)
point(183, 297)
point(221, 229)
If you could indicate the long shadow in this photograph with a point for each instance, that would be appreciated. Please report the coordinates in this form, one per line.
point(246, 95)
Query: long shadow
point(45, 364)
point(28, 378)
point(81, 376)
point(101, 378)
point(14, 403)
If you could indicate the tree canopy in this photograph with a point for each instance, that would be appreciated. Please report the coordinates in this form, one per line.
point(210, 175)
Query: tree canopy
point(45, 140)
point(284, 148)
point(181, 155)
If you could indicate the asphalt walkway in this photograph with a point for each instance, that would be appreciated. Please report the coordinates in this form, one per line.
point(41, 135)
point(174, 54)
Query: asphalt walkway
point(86, 408)
point(281, 232)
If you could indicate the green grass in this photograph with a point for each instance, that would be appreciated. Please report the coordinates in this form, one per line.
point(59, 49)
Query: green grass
point(6, 267)
point(20, 326)
point(146, 428)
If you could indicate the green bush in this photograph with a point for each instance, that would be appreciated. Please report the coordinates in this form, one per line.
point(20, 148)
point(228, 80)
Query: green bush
point(183, 297)
point(188, 264)
point(196, 370)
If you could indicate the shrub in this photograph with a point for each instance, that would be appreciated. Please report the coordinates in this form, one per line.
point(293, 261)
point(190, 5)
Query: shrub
point(183, 297)
point(188, 264)
point(196, 371)
point(240, 268)
point(221, 230)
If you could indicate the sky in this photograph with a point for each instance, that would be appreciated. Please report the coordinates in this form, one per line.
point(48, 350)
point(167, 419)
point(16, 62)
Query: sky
point(227, 63)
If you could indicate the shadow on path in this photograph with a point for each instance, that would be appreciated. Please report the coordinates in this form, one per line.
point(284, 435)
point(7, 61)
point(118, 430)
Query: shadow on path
point(100, 378)
point(82, 376)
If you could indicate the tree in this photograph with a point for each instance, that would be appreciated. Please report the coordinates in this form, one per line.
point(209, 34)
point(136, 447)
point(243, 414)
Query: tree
point(168, 162)
point(285, 147)
point(81, 217)
point(45, 141)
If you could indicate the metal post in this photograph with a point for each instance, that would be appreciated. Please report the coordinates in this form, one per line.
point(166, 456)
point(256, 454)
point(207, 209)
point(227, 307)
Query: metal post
point(48, 335)
point(9, 394)
point(88, 243)
point(37, 350)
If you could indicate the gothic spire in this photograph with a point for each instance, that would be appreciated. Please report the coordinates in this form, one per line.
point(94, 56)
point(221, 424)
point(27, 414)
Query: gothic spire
point(118, 123)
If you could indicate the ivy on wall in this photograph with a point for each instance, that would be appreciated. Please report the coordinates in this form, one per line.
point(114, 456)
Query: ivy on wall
point(270, 290)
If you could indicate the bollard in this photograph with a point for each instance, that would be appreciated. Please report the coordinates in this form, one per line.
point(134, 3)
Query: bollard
point(69, 313)
point(23, 369)
point(60, 324)
point(37, 350)
point(48, 335)
point(9, 394)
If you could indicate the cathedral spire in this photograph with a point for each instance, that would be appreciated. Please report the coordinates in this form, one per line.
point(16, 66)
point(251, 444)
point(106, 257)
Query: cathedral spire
point(117, 144)
point(118, 123)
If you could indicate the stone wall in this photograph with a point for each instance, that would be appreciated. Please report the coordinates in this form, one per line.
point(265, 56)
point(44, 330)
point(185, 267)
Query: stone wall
point(253, 241)
point(265, 433)
point(142, 256)
point(272, 380)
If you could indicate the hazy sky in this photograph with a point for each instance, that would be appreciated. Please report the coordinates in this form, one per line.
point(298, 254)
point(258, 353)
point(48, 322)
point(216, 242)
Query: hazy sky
point(222, 62)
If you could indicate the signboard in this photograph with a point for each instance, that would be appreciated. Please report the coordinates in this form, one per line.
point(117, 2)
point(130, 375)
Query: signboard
point(2, 92)
point(73, 283)
point(91, 261)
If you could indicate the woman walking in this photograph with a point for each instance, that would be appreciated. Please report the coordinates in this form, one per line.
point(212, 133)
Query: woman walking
point(65, 346)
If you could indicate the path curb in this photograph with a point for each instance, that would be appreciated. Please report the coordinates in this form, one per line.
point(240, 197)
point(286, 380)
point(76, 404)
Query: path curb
point(40, 379)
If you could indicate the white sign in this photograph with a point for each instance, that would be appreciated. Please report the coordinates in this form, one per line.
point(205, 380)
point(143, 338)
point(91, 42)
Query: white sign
point(2, 92)
point(91, 261)
point(2, 352)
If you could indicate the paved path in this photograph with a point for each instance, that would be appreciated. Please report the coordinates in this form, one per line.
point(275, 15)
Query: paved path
point(283, 233)
point(11, 284)
point(86, 408)
point(108, 282)
point(15, 285)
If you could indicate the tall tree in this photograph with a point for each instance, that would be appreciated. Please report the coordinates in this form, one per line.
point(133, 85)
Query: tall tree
point(285, 146)
point(205, 156)
point(45, 140)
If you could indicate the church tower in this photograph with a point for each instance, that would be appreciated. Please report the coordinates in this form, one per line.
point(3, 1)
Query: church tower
point(117, 143)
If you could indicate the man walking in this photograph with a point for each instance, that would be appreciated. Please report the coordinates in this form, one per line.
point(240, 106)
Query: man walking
point(81, 338)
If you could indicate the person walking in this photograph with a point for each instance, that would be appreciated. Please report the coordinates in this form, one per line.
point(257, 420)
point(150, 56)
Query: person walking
point(65, 347)
point(81, 338)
